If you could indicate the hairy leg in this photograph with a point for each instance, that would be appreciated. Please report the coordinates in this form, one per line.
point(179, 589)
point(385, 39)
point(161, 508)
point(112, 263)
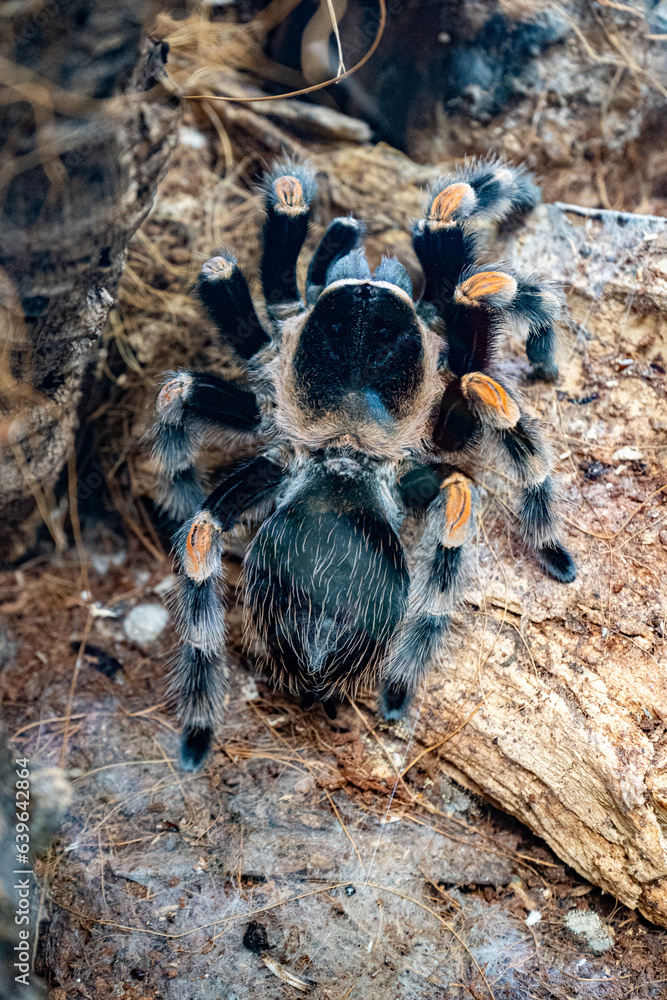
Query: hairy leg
point(449, 524)
point(288, 192)
point(197, 680)
point(189, 405)
point(225, 294)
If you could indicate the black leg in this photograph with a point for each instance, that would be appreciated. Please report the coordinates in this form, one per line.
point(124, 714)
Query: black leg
point(468, 405)
point(341, 237)
point(443, 255)
point(197, 681)
point(189, 404)
point(434, 585)
point(395, 700)
point(520, 451)
point(486, 302)
point(447, 242)
point(289, 191)
point(535, 310)
point(522, 454)
point(539, 525)
point(225, 293)
point(247, 484)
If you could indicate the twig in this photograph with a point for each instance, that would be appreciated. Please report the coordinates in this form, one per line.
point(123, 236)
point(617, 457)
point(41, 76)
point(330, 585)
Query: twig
point(445, 739)
point(75, 677)
point(315, 86)
point(606, 213)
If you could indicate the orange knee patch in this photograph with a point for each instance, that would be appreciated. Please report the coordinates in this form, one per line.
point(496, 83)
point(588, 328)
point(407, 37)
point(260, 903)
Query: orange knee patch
point(447, 202)
point(480, 289)
point(490, 399)
point(289, 193)
point(458, 510)
point(171, 392)
point(202, 548)
point(218, 269)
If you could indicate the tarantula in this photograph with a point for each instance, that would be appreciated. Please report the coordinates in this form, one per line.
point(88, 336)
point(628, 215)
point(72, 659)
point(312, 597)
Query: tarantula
point(366, 407)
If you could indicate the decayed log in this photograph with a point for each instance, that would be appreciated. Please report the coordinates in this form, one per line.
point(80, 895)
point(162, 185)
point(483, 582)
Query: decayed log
point(567, 684)
point(86, 129)
point(564, 688)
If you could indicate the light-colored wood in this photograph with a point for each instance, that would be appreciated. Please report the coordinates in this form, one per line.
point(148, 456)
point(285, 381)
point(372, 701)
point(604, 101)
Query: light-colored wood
point(569, 683)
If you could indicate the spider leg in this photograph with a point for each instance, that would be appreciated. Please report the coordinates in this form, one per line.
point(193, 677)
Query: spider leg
point(447, 239)
point(468, 406)
point(479, 411)
point(536, 504)
point(197, 680)
point(492, 299)
point(189, 404)
point(341, 238)
point(436, 579)
point(289, 190)
point(226, 296)
point(447, 242)
point(524, 456)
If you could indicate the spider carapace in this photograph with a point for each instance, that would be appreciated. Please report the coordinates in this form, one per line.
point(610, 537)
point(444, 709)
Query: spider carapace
point(365, 408)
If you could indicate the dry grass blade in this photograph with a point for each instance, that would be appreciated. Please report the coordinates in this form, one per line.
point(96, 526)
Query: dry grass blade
point(286, 976)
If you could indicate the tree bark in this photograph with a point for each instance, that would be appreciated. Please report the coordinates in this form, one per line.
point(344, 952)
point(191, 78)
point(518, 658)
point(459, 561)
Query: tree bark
point(86, 136)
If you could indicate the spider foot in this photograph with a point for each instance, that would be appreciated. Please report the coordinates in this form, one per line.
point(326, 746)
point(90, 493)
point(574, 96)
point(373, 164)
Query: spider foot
point(224, 292)
point(288, 192)
point(395, 701)
point(557, 562)
point(195, 745)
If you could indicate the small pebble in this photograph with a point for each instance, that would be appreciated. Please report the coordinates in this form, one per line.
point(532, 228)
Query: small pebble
point(145, 622)
point(141, 577)
point(191, 137)
point(102, 561)
point(628, 454)
point(587, 924)
point(249, 690)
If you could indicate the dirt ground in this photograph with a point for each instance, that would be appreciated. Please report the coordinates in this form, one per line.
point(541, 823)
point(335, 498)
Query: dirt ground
point(297, 863)
point(292, 854)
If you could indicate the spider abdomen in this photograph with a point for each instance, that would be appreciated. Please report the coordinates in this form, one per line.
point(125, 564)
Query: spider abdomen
point(326, 582)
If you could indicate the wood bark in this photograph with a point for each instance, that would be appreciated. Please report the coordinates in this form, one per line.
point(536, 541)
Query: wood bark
point(86, 131)
point(567, 684)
